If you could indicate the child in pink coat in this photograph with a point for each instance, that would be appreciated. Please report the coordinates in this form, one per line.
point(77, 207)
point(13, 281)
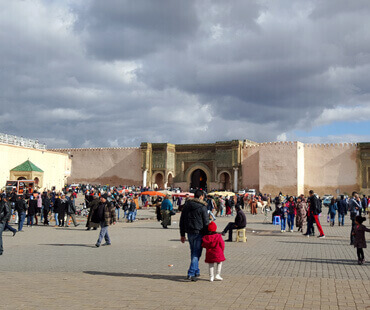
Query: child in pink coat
point(215, 246)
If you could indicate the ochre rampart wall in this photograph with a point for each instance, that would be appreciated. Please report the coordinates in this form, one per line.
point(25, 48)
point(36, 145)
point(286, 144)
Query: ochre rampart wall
point(331, 167)
point(294, 168)
point(278, 168)
point(113, 166)
point(250, 167)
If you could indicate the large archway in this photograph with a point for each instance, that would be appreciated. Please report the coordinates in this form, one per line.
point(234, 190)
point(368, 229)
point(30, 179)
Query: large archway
point(198, 179)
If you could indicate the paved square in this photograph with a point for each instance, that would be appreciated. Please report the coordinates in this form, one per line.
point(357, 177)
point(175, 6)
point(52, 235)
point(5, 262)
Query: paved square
point(145, 268)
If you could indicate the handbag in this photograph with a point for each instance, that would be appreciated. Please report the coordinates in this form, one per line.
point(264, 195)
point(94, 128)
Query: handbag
point(172, 212)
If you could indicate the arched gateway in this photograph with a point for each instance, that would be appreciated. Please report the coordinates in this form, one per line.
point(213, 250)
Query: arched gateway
point(207, 166)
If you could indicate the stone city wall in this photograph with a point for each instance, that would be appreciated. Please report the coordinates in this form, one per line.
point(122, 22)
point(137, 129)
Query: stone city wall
point(56, 166)
point(294, 168)
point(331, 168)
point(278, 168)
point(250, 167)
point(113, 166)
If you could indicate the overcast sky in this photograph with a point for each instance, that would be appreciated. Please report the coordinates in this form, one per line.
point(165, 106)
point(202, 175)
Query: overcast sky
point(84, 73)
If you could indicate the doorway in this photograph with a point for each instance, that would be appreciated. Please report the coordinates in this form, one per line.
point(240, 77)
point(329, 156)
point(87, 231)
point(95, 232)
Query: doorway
point(225, 181)
point(198, 180)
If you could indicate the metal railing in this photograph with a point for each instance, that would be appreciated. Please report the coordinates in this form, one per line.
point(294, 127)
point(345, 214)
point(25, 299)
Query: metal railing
point(20, 141)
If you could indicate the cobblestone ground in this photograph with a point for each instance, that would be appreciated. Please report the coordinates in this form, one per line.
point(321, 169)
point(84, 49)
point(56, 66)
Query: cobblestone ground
point(145, 268)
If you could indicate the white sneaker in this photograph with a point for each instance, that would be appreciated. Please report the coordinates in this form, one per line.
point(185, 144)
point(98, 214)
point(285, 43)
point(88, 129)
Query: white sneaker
point(291, 230)
point(282, 231)
point(218, 277)
point(211, 278)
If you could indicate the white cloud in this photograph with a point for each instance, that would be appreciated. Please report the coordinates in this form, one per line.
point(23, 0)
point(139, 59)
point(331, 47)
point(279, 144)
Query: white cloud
point(64, 114)
point(344, 114)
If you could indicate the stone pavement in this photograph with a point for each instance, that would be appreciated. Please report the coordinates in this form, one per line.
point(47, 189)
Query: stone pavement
point(145, 267)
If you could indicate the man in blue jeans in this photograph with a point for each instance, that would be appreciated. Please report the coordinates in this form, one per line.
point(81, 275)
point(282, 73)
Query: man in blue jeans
point(105, 215)
point(194, 221)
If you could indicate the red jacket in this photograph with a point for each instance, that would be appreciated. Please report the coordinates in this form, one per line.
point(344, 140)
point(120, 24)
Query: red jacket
point(215, 246)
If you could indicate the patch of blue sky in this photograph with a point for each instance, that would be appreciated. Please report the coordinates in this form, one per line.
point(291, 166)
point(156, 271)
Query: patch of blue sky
point(337, 129)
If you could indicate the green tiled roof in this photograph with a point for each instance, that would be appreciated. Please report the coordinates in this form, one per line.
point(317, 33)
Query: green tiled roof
point(27, 166)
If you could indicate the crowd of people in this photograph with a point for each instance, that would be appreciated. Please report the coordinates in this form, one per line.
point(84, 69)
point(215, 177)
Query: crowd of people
point(105, 206)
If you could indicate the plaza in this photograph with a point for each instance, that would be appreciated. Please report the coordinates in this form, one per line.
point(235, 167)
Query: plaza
point(145, 268)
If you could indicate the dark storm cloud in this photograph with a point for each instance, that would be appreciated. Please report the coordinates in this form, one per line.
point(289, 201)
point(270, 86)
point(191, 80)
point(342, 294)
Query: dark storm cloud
point(116, 73)
point(127, 29)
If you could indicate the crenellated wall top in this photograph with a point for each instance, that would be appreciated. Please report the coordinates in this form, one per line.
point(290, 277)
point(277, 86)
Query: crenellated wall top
point(94, 149)
point(306, 145)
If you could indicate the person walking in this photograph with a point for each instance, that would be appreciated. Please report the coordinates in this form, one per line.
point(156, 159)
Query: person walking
point(315, 208)
point(283, 216)
point(71, 212)
point(63, 206)
point(253, 206)
point(211, 206)
point(136, 201)
point(228, 206)
point(46, 203)
point(342, 210)
point(105, 215)
point(239, 223)
point(21, 208)
point(301, 213)
point(359, 240)
point(166, 208)
point(222, 206)
point(56, 207)
point(93, 204)
point(39, 208)
point(31, 211)
point(354, 206)
point(194, 222)
point(364, 203)
point(5, 214)
point(131, 210)
point(158, 203)
point(292, 210)
point(310, 220)
point(332, 211)
point(215, 246)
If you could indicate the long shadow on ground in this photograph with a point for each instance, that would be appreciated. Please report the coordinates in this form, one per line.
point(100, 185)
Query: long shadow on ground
point(323, 261)
point(70, 244)
point(175, 278)
point(308, 242)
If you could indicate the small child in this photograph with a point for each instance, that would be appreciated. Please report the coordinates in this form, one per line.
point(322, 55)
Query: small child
point(359, 240)
point(283, 216)
point(215, 246)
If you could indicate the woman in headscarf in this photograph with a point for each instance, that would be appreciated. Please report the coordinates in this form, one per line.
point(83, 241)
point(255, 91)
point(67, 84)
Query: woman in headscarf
point(301, 213)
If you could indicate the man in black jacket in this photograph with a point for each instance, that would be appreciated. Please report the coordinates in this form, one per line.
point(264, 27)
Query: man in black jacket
point(71, 212)
point(4, 218)
point(315, 207)
point(194, 221)
point(46, 202)
point(342, 210)
point(240, 222)
point(21, 208)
